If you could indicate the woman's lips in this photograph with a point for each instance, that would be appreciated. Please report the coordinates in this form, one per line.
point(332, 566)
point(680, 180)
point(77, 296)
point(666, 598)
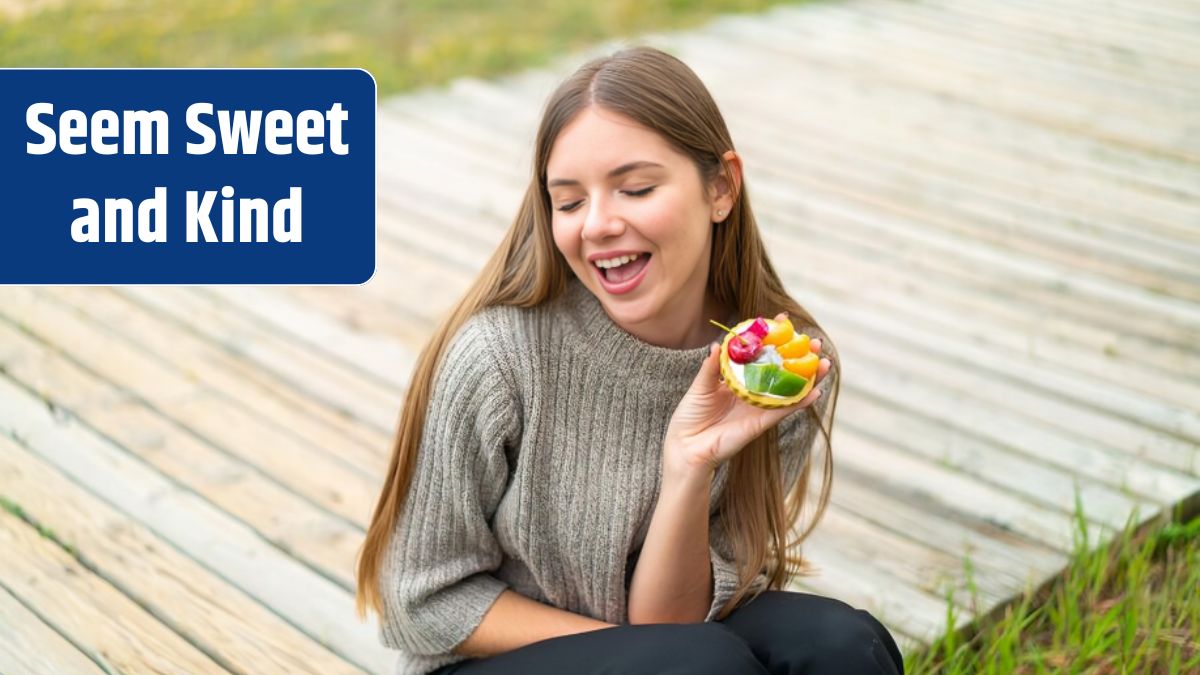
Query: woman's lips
point(622, 287)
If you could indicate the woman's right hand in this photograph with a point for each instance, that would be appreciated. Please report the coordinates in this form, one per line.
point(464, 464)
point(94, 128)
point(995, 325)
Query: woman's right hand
point(711, 424)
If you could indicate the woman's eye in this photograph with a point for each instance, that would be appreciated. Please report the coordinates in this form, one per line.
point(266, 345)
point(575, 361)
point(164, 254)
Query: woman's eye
point(567, 208)
point(640, 193)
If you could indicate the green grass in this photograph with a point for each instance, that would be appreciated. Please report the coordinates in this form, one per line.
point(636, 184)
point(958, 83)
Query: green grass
point(1131, 607)
point(403, 43)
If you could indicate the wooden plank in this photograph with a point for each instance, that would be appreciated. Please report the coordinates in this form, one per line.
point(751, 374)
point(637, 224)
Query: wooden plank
point(842, 104)
point(328, 482)
point(1060, 189)
point(931, 486)
point(1137, 34)
point(220, 621)
point(915, 244)
point(981, 395)
point(414, 290)
point(916, 564)
point(999, 559)
point(946, 205)
point(434, 234)
point(828, 41)
point(321, 541)
point(424, 235)
point(446, 156)
point(491, 203)
point(899, 83)
point(27, 645)
point(846, 101)
point(911, 243)
point(340, 388)
point(886, 216)
point(1000, 322)
point(963, 423)
point(873, 25)
point(113, 629)
point(1098, 392)
point(994, 31)
point(169, 343)
point(1035, 333)
point(1053, 484)
point(373, 356)
point(310, 602)
point(901, 608)
point(858, 238)
point(1167, 14)
point(1054, 187)
point(988, 382)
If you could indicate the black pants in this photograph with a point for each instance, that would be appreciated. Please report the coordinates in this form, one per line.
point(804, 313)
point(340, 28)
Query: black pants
point(778, 632)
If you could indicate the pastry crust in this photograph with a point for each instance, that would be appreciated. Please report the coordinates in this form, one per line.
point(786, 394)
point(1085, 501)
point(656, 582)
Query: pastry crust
point(738, 387)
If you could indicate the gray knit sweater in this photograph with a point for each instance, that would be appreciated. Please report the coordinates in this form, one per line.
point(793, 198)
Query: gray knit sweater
point(538, 471)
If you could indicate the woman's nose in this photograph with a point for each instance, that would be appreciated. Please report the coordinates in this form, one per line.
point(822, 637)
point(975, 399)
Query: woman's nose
point(601, 221)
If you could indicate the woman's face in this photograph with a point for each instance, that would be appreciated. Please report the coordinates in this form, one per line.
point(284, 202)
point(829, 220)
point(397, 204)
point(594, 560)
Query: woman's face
point(618, 189)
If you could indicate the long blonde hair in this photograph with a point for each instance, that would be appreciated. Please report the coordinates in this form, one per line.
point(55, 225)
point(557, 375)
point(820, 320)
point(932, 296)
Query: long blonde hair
point(663, 94)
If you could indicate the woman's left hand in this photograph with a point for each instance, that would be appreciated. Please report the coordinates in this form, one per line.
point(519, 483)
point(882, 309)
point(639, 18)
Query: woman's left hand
point(711, 424)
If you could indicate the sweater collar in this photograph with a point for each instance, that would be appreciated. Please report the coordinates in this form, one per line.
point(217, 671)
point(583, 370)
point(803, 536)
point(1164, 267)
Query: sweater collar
point(594, 332)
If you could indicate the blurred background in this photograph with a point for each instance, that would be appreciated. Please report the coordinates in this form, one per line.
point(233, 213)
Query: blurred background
point(404, 44)
point(993, 208)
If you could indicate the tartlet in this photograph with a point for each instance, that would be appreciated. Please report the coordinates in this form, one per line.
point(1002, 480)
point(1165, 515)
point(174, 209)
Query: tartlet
point(766, 364)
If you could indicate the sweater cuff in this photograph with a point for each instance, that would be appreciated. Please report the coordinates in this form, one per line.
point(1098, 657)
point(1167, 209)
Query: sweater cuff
point(725, 582)
point(447, 618)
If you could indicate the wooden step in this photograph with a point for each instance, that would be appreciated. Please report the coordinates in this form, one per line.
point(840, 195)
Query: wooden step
point(314, 605)
point(179, 593)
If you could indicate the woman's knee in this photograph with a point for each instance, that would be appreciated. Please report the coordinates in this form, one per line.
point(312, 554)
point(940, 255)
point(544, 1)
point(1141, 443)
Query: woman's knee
point(819, 632)
point(695, 648)
point(850, 642)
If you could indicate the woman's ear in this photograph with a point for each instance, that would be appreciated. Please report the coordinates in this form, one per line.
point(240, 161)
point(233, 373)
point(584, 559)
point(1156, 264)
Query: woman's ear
point(726, 186)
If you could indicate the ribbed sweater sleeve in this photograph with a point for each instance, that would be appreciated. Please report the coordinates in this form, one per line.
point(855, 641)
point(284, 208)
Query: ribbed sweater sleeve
point(724, 569)
point(437, 582)
point(796, 437)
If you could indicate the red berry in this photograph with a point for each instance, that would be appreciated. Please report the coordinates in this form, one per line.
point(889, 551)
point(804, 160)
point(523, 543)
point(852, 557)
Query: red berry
point(745, 347)
point(759, 328)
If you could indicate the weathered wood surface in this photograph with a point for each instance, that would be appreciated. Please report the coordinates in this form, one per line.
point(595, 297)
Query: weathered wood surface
point(997, 206)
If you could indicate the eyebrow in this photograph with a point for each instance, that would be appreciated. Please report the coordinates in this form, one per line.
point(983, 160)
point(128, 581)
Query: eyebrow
point(624, 168)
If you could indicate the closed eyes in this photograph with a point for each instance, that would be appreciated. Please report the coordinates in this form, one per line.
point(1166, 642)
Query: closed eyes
point(567, 208)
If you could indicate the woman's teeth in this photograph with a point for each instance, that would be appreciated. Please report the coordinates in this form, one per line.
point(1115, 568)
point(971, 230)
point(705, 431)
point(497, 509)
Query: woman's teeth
point(623, 268)
point(616, 262)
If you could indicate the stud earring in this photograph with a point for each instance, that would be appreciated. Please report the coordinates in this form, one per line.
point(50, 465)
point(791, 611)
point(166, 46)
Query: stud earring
point(720, 213)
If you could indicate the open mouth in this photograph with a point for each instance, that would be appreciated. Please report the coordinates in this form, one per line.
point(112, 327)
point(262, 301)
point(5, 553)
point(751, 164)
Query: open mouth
point(625, 272)
point(624, 277)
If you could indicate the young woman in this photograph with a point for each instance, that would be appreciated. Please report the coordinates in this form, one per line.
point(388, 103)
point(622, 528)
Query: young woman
point(572, 487)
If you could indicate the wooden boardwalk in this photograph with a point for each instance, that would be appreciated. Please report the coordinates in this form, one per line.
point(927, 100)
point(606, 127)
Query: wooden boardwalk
point(994, 208)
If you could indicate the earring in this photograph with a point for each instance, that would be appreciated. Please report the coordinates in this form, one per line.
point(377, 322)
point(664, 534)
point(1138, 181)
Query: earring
point(720, 213)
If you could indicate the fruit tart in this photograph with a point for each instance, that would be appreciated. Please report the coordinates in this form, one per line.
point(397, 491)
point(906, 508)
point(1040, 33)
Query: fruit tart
point(766, 363)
